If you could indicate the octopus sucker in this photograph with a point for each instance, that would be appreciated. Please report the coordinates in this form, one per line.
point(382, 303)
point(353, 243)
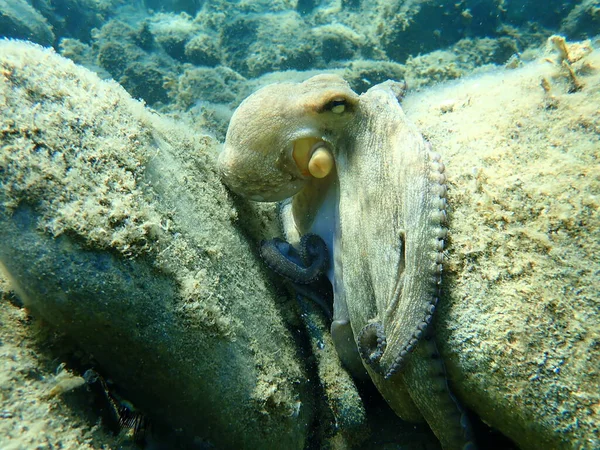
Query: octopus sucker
point(372, 343)
point(365, 184)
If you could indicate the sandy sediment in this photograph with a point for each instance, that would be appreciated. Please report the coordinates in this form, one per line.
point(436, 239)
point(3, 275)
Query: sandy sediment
point(30, 371)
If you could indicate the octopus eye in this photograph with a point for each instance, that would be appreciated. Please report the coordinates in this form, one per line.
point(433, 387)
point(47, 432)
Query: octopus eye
point(336, 106)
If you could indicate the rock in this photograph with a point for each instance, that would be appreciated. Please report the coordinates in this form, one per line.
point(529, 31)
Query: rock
point(28, 374)
point(519, 325)
point(172, 32)
point(364, 74)
point(76, 18)
point(20, 20)
point(115, 229)
point(121, 217)
point(203, 50)
point(582, 21)
point(254, 45)
point(115, 58)
point(188, 6)
point(145, 81)
point(207, 84)
point(338, 42)
point(134, 59)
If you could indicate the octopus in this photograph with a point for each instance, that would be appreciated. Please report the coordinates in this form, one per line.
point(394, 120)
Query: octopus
point(363, 203)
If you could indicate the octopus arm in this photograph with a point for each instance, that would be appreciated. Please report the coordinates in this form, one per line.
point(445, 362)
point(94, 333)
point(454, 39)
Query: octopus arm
point(392, 210)
point(426, 381)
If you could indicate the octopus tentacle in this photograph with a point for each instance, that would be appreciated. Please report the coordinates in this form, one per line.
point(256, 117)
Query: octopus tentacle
point(313, 251)
point(385, 189)
point(302, 267)
point(437, 219)
point(434, 399)
point(371, 344)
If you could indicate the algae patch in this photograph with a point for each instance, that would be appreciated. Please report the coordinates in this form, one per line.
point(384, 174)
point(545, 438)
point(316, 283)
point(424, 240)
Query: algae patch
point(63, 156)
point(77, 153)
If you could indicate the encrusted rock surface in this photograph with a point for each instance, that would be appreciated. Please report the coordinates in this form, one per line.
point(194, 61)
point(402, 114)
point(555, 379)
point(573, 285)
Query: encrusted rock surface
point(98, 193)
point(519, 326)
point(115, 228)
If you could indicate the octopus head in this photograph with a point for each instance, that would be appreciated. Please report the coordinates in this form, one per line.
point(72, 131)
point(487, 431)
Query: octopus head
point(283, 136)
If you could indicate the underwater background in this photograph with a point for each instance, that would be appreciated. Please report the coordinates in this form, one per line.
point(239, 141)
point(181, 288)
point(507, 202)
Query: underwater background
point(192, 63)
point(201, 58)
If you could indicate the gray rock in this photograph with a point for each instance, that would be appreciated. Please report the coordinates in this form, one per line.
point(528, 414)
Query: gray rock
point(19, 20)
point(115, 228)
point(519, 325)
point(203, 50)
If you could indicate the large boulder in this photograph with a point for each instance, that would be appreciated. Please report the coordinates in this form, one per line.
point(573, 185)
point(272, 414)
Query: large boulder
point(114, 228)
point(519, 326)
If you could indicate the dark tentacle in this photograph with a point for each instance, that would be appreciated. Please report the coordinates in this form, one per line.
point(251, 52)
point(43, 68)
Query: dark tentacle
point(302, 267)
point(320, 292)
point(313, 251)
point(371, 344)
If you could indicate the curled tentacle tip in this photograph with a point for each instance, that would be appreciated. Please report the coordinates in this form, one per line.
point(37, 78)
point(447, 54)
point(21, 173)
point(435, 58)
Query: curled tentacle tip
point(303, 266)
point(313, 251)
point(371, 344)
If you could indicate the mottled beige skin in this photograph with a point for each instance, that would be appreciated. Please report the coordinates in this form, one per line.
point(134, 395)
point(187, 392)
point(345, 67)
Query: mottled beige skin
point(256, 161)
point(387, 192)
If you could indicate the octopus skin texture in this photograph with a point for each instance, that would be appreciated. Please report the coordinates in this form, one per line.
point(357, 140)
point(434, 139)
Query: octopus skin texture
point(354, 171)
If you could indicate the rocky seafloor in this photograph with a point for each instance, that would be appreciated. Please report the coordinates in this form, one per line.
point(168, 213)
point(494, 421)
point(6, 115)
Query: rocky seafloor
point(135, 261)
